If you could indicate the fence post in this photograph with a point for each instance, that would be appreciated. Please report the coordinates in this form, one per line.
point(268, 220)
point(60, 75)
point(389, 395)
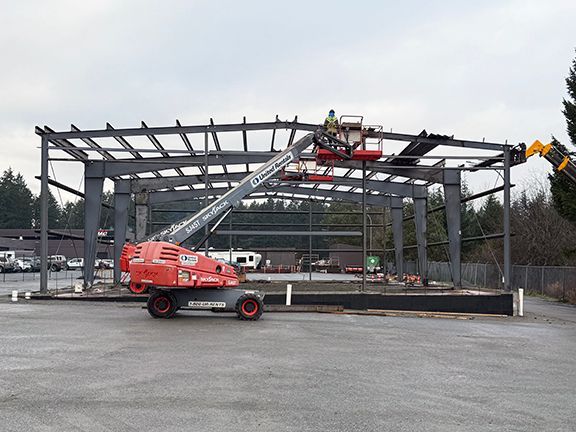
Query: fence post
point(526, 278)
point(485, 271)
point(476, 274)
point(563, 283)
point(542, 281)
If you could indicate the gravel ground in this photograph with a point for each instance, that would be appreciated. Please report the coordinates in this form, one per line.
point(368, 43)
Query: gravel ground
point(68, 366)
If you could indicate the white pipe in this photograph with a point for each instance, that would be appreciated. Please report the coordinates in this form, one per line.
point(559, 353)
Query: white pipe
point(15, 296)
point(520, 301)
point(288, 295)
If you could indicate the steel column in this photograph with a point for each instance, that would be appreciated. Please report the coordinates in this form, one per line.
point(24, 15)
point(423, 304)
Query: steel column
point(453, 222)
point(230, 236)
point(384, 256)
point(506, 222)
point(44, 191)
point(364, 259)
point(420, 219)
point(310, 240)
point(206, 183)
point(142, 202)
point(121, 207)
point(397, 213)
point(92, 206)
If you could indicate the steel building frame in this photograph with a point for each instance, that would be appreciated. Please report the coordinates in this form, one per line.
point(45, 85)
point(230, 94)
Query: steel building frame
point(357, 181)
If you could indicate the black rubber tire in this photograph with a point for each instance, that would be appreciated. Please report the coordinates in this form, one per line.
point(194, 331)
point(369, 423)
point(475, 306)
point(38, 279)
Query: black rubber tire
point(249, 307)
point(162, 304)
point(139, 289)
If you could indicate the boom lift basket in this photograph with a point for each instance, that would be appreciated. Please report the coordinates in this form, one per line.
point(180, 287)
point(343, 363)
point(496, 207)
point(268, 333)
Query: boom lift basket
point(356, 134)
point(309, 170)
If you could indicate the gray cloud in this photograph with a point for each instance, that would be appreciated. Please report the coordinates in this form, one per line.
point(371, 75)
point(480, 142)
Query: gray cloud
point(492, 69)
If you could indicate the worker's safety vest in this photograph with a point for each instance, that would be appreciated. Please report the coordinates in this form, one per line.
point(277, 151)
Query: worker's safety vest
point(332, 123)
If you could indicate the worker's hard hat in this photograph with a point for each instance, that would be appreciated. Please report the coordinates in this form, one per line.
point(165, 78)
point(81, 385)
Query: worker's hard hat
point(331, 111)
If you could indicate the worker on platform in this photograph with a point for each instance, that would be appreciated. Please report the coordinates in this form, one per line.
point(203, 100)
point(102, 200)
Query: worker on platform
point(331, 123)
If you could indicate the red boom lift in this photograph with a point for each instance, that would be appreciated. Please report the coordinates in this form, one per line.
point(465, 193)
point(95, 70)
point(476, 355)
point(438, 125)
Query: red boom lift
point(179, 278)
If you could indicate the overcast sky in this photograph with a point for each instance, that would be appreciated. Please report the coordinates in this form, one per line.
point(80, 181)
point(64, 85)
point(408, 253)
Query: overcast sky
point(475, 69)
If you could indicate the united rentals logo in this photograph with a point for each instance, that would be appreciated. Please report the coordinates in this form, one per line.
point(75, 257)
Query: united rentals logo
point(270, 170)
point(188, 259)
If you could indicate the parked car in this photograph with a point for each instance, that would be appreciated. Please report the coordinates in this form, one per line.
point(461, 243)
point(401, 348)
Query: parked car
point(75, 264)
point(56, 262)
point(23, 264)
point(35, 263)
point(78, 264)
point(6, 265)
point(105, 263)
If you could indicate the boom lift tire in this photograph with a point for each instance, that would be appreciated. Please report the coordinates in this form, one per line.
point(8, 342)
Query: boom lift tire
point(162, 304)
point(249, 307)
point(138, 288)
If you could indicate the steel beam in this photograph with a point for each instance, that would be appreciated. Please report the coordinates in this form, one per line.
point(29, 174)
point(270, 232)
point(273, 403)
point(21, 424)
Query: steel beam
point(141, 201)
point(506, 223)
point(174, 130)
point(94, 145)
point(238, 127)
point(290, 233)
point(401, 189)
point(487, 237)
point(66, 145)
point(419, 173)
point(121, 207)
point(364, 244)
point(397, 213)
point(130, 166)
point(421, 222)
point(183, 195)
point(452, 191)
point(120, 167)
point(93, 197)
point(481, 145)
point(44, 191)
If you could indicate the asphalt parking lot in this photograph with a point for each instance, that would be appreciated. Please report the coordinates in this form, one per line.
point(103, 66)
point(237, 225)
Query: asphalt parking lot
point(31, 281)
point(70, 366)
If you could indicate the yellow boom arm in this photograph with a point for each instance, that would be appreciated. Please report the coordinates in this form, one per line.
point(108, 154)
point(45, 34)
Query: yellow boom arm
point(560, 161)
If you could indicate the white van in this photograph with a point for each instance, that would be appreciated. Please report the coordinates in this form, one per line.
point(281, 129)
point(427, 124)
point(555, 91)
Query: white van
point(247, 259)
point(9, 255)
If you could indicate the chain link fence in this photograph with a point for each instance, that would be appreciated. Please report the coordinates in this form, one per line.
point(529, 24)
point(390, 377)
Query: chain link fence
point(556, 282)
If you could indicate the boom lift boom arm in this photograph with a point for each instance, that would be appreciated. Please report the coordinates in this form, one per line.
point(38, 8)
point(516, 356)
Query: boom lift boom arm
point(562, 162)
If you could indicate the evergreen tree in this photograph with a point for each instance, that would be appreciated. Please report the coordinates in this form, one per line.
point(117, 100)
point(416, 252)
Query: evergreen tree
point(15, 201)
point(73, 214)
point(55, 217)
point(564, 190)
point(437, 226)
point(490, 215)
point(469, 221)
point(352, 217)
